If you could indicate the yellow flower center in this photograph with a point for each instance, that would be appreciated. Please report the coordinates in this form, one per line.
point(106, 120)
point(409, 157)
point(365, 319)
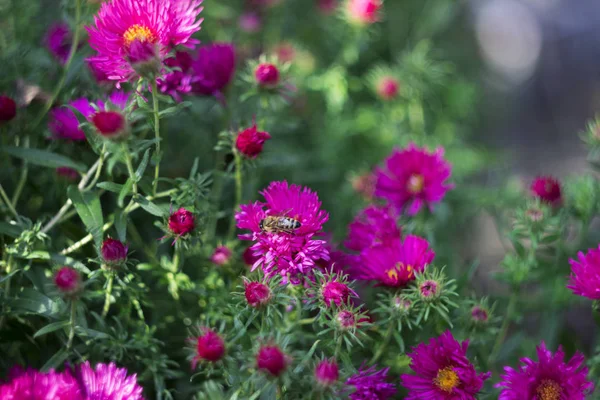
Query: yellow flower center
point(446, 379)
point(138, 32)
point(549, 390)
point(415, 184)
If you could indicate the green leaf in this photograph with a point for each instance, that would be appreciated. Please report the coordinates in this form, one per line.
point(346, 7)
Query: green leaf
point(5, 277)
point(43, 158)
point(52, 327)
point(142, 167)
point(175, 109)
point(121, 225)
point(56, 360)
point(124, 192)
point(91, 333)
point(34, 302)
point(87, 205)
point(150, 207)
point(10, 230)
point(58, 259)
point(110, 186)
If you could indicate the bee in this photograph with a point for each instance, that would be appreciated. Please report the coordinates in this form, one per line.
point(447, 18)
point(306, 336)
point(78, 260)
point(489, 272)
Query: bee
point(278, 224)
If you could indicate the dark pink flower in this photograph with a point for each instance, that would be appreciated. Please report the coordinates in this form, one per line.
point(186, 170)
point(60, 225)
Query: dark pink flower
point(395, 263)
point(547, 189)
point(221, 255)
point(67, 173)
point(429, 289)
point(479, 314)
point(98, 74)
point(585, 274)
point(107, 382)
point(250, 141)
point(110, 124)
point(213, 68)
point(8, 108)
point(271, 359)
point(387, 87)
point(144, 58)
point(370, 384)
point(443, 371)
point(346, 319)
point(267, 75)
point(293, 253)
point(178, 81)
point(550, 378)
point(68, 280)
point(63, 122)
point(34, 385)
point(114, 252)
point(413, 177)
point(335, 292)
point(58, 40)
point(160, 23)
point(327, 372)
point(373, 225)
point(364, 11)
point(209, 347)
point(257, 294)
point(250, 22)
point(249, 257)
point(182, 222)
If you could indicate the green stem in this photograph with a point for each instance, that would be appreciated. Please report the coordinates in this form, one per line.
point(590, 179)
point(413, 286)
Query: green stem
point(63, 77)
point(72, 324)
point(384, 343)
point(215, 197)
point(109, 287)
point(6, 290)
point(130, 168)
point(238, 191)
point(510, 309)
point(138, 308)
point(338, 346)
point(8, 203)
point(22, 178)
point(98, 170)
point(156, 134)
point(176, 259)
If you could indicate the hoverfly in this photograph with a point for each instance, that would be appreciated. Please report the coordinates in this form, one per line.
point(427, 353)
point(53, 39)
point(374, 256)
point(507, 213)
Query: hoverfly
point(279, 224)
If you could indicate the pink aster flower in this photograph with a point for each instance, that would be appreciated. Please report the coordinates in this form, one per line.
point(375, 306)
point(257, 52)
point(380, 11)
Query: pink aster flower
point(34, 385)
point(387, 87)
point(335, 292)
point(8, 108)
point(550, 378)
point(210, 347)
point(327, 372)
point(161, 23)
point(178, 81)
point(413, 177)
point(394, 264)
point(547, 189)
point(107, 382)
point(58, 40)
point(284, 229)
point(443, 371)
point(585, 274)
point(213, 68)
point(221, 255)
point(364, 11)
point(250, 141)
point(371, 384)
point(64, 124)
point(373, 225)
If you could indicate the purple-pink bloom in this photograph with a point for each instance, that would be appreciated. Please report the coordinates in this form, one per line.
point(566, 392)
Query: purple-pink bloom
point(585, 274)
point(162, 23)
point(371, 384)
point(292, 253)
point(107, 382)
point(550, 378)
point(34, 385)
point(58, 40)
point(443, 371)
point(413, 177)
point(178, 81)
point(395, 263)
point(213, 68)
point(374, 225)
point(64, 123)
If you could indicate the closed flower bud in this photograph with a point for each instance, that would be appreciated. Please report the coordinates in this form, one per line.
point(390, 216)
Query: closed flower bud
point(402, 304)
point(429, 290)
point(272, 360)
point(388, 87)
point(335, 292)
point(479, 314)
point(209, 347)
point(364, 11)
point(110, 124)
point(68, 280)
point(257, 294)
point(182, 222)
point(346, 319)
point(267, 75)
point(114, 252)
point(144, 58)
point(221, 255)
point(327, 372)
point(8, 108)
point(547, 189)
point(250, 141)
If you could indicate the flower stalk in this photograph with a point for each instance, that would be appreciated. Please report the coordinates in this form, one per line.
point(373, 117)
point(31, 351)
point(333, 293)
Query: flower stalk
point(155, 111)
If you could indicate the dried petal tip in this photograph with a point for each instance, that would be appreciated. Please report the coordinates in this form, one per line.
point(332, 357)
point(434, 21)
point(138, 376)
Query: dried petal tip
point(272, 360)
point(8, 108)
point(209, 347)
point(327, 372)
point(250, 141)
point(267, 75)
point(221, 255)
point(68, 280)
point(114, 252)
point(388, 87)
point(182, 222)
point(257, 294)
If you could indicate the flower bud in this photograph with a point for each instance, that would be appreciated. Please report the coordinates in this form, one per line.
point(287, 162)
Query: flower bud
point(267, 75)
point(221, 255)
point(110, 124)
point(402, 304)
point(547, 189)
point(335, 292)
point(272, 360)
point(250, 141)
point(257, 294)
point(8, 108)
point(387, 88)
point(68, 280)
point(429, 290)
point(144, 58)
point(479, 314)
point(364, 12)
point(114, 253)
point(58, 41)
point(250, 22)
point(182, 222)
point(209, 347)
point(327, 372)
point(68, 173)
point(346, 319)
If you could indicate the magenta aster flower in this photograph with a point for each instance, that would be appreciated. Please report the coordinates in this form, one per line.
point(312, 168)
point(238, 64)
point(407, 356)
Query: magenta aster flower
point(178, 81)
point(182, 222)
point(221, 255)
point(413, 177)
point(371, 384)
point(107, 382)
point(443, 371)
point(257, 294)
point(547, 189)
point(250, 141)
point(373, 225)
point(267, 75)
point(8, 108)
point(336, 292)
point(327, 372)
point(161, 23)
point(68, 280)
point(394, 264)
point(114, 252)
point(213, 68)
point(550, 378)
point(58, 41)
point(209, 347)
point(364, 11)
point(585, 274)
point(387, 88)
point(290, 252)
point(272, 359)
point(64, 123)
point(34, 385)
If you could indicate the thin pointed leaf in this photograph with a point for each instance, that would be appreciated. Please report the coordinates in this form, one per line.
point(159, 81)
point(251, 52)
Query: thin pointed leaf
point(43, 158)
point(51, 328)
point(87, 205)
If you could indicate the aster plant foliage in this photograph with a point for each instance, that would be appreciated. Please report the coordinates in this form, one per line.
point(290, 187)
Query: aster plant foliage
point(279, 205)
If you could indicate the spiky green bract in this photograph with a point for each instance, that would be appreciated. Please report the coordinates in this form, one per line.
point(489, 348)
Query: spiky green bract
point(583, 197)
point(268, 314)
point(345, 326)
point(478, 320)
point(434, 303)
point(393, 313)
point(271, 97)
point(329, 289)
